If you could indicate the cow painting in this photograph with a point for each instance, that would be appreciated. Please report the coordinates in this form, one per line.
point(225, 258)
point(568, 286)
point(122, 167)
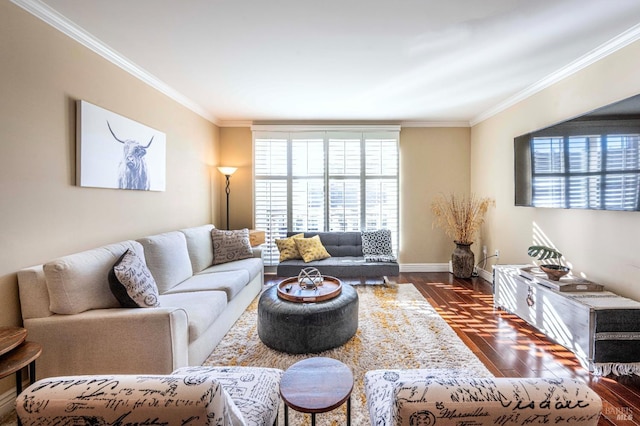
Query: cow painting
point(133, 172)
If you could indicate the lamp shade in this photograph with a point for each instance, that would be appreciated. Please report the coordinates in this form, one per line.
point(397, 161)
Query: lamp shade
point(227, 171)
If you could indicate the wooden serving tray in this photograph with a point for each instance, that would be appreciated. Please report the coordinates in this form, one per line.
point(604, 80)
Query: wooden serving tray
point(567, 283)
point(290, 290)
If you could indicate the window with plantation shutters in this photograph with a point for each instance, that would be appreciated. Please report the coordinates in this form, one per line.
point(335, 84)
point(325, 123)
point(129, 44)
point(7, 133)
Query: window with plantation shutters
point(324, 180)
point(591, 171)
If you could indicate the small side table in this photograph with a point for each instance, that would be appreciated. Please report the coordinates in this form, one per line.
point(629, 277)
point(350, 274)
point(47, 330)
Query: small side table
point(316, 385)
point(16, 353)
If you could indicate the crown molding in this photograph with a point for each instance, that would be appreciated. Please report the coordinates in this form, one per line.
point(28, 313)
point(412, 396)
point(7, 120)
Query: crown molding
point(620, 41)
point(403, 124)
point(322, 128)
point(78, 34)
point(435, 124)
point(238, 123)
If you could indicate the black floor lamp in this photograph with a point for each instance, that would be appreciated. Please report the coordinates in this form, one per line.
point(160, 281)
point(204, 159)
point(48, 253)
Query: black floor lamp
point(227, 172)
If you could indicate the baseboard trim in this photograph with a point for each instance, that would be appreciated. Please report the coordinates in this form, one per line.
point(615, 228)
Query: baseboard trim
point(487, 275)
point(424, 267)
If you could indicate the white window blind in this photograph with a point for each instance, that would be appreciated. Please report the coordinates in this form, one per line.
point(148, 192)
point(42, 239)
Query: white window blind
point(596, 171)
point(331, 180)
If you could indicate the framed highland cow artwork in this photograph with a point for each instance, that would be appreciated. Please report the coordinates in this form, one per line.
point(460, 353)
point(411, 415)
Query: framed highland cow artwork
point(116, 152)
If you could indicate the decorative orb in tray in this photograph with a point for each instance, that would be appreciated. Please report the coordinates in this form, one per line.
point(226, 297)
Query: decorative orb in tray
point(310, 278)
point(309, 286)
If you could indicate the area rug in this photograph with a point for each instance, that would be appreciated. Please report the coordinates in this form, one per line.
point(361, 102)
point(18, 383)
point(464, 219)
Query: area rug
point(397, 328)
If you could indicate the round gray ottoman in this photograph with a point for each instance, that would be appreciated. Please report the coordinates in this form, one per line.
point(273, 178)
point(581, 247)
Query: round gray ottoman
point(299, 328)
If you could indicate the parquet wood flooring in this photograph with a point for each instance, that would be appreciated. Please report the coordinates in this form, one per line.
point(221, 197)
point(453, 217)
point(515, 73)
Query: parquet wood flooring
point(509, 347)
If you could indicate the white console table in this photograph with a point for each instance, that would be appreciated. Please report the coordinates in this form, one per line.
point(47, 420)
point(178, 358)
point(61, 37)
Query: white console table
point(600, 327)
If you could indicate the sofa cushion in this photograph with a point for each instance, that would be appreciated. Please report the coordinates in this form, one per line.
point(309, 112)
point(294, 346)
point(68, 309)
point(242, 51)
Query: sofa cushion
point(199, 246)
point(253, 265)
point(167, 258)
point(287, 248)
point(254, 390)
point(340, 267)
point(230, 245)
point(202, 308)
point(131, 282)
point(311, 248)
point(231, 282)
point(128, 399)
point(377, 247)
point(337, 243)
point(79, 282)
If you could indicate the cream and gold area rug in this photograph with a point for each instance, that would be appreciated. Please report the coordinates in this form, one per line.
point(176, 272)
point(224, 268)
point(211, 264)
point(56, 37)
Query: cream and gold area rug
point(397, 328)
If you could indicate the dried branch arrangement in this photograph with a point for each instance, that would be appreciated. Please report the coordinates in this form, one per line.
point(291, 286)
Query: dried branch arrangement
point(460, 216)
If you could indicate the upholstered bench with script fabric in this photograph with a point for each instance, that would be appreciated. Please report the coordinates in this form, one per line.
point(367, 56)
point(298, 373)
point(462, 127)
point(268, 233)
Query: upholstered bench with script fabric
point(431, 396)
point(195, 396)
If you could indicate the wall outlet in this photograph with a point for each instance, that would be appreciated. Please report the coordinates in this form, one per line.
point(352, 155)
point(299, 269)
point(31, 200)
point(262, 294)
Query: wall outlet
point(497, 253)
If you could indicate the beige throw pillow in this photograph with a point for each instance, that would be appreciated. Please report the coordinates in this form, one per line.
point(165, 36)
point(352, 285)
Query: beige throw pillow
point(230, 245)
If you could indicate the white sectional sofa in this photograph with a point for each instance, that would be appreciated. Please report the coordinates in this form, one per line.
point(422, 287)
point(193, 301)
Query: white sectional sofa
point(68, 307)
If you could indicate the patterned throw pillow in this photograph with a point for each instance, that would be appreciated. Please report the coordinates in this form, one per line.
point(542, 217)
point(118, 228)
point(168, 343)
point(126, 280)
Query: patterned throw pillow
point(288, 249)
point(311, 248)
point(230, 245)
point(376, 246)
point(131, 282)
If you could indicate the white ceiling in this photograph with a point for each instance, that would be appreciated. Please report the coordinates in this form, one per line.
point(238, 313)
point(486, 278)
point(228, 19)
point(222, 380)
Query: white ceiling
point(346, 60)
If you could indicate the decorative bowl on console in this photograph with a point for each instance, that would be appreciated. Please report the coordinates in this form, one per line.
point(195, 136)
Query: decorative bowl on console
point(555, 272)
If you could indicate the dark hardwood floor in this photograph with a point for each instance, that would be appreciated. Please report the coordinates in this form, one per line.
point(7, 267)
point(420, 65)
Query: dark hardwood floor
point(509, 347)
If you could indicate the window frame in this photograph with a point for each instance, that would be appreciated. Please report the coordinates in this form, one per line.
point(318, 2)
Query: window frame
point(329, 134)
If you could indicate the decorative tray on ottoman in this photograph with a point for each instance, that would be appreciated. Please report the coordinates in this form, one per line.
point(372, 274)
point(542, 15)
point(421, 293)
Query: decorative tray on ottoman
point(564, 284)
point(291, 289)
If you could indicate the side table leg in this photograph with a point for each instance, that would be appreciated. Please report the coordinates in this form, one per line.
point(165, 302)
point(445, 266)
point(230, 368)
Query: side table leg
point(313, 419)
point(286, 415)
point(18, 382)
point(32, 372)
point(349, 411)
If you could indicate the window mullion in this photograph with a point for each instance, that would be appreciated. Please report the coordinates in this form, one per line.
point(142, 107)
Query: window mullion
point(289, 182)
point(327, 195)
point(363, 183)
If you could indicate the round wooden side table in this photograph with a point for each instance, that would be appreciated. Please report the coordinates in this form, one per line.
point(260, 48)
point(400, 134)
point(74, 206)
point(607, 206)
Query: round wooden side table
point(16, 353)
point(316, 385)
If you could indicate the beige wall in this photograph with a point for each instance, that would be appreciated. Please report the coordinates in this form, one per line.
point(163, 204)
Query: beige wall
point(43, 214)
point(600, 245)
point(432, 160)
point(236, 151)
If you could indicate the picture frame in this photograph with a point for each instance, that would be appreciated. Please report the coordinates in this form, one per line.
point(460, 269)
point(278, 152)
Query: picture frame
point(113, 151)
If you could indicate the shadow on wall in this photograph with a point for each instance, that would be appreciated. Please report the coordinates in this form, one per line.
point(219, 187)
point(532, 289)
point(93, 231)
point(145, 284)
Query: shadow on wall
point(541, 239)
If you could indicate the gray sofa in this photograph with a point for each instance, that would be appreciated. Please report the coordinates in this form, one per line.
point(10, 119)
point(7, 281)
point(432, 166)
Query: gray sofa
point(346, 261)
point(68, 307)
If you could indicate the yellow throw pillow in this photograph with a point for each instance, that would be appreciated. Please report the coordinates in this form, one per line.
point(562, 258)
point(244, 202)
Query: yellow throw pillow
point(288, 249)
point(311, 248)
